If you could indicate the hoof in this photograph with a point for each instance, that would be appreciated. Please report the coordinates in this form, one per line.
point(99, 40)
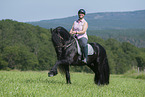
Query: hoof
point(50, 75)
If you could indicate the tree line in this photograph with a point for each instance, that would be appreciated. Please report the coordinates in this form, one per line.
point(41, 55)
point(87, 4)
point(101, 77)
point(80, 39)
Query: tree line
point(134, 36)
point(27, 47)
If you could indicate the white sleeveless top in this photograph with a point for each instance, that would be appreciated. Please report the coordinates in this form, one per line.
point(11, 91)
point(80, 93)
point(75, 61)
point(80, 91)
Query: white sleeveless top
point(78, 26)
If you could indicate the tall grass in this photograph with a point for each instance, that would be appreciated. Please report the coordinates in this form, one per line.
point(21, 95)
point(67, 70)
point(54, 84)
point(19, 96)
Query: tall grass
point(37, 84)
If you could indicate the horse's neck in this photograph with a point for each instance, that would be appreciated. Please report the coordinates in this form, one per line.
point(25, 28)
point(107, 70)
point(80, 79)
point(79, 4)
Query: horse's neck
point(70, 40)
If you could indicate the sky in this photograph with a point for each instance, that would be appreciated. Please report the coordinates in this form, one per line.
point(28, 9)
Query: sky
point(36, 10)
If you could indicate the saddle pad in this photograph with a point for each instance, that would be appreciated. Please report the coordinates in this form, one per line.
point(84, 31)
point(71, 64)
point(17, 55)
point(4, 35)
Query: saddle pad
point(90, 49)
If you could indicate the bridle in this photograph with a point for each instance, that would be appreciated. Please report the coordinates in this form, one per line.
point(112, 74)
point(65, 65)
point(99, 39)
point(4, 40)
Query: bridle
point(64, 46)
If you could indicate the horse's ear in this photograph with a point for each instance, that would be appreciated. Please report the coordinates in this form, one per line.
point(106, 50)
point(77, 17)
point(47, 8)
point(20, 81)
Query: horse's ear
point(51, 30)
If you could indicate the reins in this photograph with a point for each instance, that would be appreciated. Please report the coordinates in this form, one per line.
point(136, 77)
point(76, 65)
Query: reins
point(60, 37)
point(64, 46)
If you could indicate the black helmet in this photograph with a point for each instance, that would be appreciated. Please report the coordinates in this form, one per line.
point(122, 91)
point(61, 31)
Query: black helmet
point(82, 11)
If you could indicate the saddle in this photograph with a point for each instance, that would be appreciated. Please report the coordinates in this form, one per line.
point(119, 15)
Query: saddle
point(90, 48)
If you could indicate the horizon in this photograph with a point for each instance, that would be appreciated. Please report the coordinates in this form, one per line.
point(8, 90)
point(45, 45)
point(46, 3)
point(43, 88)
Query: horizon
point(93, 13)
point(32, 10)
point(76, 15)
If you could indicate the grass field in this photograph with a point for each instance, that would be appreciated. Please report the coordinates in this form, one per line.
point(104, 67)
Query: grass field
point(38, 84)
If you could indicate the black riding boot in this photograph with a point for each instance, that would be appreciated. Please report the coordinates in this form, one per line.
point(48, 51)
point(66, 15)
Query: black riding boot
point(85, 54)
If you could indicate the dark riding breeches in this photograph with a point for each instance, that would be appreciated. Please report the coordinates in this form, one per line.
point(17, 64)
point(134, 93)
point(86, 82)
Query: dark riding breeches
point(84, 48)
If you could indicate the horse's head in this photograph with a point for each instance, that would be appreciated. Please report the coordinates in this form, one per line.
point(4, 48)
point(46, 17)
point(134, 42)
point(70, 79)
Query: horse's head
point(59, 38)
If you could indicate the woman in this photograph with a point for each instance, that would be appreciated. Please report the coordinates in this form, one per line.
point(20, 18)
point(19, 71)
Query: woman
point(79, 29)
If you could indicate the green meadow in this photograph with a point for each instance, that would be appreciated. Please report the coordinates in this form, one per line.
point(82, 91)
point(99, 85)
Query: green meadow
point(38, 84)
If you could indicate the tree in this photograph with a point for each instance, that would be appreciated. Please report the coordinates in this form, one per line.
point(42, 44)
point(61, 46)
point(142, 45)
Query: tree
point(3, 63)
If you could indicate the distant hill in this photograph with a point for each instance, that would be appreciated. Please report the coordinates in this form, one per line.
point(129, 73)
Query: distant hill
point(101, 21)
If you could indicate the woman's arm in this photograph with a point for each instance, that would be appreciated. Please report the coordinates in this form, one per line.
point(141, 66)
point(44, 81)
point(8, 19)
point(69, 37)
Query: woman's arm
point(71, 31)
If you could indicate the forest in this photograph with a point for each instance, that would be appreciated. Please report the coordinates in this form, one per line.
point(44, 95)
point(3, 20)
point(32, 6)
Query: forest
point(27, 47)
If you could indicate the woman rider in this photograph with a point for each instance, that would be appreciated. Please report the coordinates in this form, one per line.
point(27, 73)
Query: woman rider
point(79, 29)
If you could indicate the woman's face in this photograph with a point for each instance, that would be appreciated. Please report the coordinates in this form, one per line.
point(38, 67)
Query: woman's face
point(81, 16)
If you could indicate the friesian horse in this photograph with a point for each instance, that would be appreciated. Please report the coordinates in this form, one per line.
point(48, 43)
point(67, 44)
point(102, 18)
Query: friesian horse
point(67, 54)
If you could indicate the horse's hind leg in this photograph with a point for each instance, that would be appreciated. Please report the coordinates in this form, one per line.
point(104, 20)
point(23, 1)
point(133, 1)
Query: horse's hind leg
point(99, 75)
point(96, 79)
point(94, 68)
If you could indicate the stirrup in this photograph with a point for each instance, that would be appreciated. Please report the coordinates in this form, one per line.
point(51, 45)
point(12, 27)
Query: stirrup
point(84, 61)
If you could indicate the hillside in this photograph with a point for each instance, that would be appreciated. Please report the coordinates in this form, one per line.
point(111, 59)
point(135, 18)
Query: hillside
point(27, 47)
point(133, 36)
point(101, 21)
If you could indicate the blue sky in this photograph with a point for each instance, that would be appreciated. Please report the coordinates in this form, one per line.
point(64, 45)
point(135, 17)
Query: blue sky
point(35, 10)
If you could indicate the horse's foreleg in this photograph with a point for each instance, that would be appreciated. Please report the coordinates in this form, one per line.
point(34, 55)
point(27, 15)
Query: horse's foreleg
point(68, 81)
point(53, 71)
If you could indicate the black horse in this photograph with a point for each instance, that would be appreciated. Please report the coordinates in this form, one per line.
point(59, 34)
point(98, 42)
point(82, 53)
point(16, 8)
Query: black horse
point(67, 54)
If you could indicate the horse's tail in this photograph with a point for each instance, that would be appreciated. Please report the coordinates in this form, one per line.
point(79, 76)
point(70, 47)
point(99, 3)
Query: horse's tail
point(103, 66)
point(106, 70)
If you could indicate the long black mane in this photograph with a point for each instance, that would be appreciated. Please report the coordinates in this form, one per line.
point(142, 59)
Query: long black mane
point(60, 38)
point(66, 49)
point(62, 33)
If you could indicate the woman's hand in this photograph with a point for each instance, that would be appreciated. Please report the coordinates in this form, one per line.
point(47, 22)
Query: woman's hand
point(72, 32)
